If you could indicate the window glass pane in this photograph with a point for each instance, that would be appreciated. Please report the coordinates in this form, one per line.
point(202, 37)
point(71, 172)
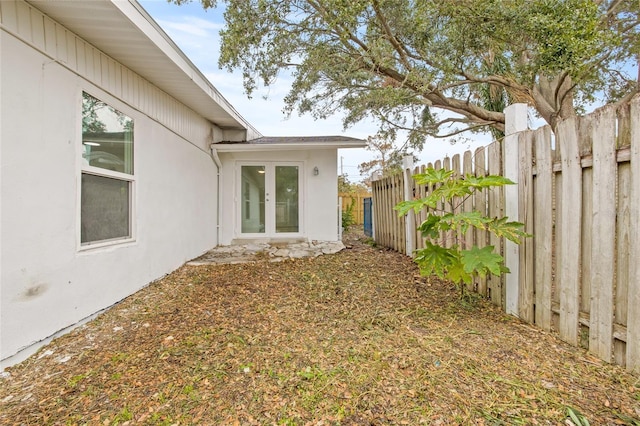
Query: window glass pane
point(105, 208)
point(287, 199)
point(253, 192)
point(107, 136)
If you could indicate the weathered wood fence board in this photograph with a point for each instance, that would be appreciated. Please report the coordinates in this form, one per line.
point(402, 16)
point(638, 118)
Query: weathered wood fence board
point(495, 198)
point(480, 203)
point(358, 200)
point(543, 226)
point(570, 215)
point(579, 195)
point(603, 234)
point(633, 314)
point(526, 294)
point(389, 227)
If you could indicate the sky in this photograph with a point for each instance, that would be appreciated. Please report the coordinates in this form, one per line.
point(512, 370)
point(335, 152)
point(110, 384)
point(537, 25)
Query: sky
point(195, 31)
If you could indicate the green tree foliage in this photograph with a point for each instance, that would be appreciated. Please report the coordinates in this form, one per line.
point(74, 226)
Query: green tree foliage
point(91, 123)
point(348, 217)
point(387, 160)
point(434, 67)
point(457, 262)
point(345, 186)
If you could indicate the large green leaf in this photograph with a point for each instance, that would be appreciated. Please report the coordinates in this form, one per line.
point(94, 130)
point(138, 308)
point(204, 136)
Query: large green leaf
point(452, 189)
point(457, 273)
point(509, 230)
point(474, 218)
point(486, 181)
point(432, 176)
point(430, 227)
point(405, 207)
point(482, 261)
point(433, 259)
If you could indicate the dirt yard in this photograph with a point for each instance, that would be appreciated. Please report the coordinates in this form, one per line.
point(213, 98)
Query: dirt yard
point(355, 338)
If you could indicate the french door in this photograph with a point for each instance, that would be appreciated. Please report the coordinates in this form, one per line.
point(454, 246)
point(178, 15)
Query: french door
point(270, 199)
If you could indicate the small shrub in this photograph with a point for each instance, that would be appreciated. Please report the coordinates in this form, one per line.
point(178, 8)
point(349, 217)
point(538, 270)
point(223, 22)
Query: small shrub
point(348, 217)
point(457, 262)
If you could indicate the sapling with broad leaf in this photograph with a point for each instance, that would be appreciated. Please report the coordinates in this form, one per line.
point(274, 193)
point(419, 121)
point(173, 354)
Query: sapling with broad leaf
point(455, 261)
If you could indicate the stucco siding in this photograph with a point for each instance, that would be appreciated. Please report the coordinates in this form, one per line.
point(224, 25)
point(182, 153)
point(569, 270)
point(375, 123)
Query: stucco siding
point(47, 280)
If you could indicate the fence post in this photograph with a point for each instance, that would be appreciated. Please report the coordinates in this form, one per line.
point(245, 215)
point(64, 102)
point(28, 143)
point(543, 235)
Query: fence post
point(376, 175)
point(410, 219)
point(515, 121)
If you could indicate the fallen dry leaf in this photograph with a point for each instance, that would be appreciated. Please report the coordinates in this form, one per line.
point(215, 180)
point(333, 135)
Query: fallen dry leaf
point(354, 338)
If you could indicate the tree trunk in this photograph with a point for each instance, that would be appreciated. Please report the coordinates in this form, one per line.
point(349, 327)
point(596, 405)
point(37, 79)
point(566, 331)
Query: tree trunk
point(554, 98)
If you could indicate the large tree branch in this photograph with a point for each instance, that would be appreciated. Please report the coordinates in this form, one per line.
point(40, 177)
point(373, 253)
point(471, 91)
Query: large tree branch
point(496, 80)
point(390, 36)
point(433, 95)
point(450, 120)
point(467, 129)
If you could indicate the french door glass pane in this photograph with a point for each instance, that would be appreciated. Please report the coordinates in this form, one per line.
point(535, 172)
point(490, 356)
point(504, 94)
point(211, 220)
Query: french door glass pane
point(253, 191)
point(286, 199)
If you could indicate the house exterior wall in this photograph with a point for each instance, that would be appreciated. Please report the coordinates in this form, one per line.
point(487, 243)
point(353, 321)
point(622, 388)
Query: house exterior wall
point(319, 193)
point(47, 280)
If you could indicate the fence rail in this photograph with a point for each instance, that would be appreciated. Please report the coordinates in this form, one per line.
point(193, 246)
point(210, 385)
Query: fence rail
point(578, 193)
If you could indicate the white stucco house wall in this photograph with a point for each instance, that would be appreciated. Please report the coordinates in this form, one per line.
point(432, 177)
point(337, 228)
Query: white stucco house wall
point(120, 162)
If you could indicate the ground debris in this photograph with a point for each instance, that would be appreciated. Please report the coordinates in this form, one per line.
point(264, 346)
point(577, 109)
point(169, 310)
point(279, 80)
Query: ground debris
point(353, 338)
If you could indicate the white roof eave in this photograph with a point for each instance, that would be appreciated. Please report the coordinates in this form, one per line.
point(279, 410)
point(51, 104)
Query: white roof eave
point(244, 147)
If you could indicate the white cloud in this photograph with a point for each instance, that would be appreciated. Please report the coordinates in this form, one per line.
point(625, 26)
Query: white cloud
point(191, 26)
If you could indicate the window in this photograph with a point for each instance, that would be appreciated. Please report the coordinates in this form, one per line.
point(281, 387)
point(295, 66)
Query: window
point(107, 173)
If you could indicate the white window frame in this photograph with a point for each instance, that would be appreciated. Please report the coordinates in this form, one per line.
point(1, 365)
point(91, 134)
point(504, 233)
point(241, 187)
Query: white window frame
point(98, 171)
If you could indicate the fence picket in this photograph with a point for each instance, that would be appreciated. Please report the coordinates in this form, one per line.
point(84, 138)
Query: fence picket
point(446, 207)
point(421, 192)
point(603, 234)
point(480, 205)
point(633, 314)
point(496, 209)
point(525, 213)
point(455, 235)
point(558, 225)
point(586, 246)
point(623, 222)
point(467, 204)
point(543, 227)
point(570, 215)
point(623, 219)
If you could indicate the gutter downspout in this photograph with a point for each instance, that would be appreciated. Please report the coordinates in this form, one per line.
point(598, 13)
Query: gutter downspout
point(216, 159)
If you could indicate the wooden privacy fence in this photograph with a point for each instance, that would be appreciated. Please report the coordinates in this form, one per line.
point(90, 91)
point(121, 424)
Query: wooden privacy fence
point(389, 229)
point(578, 193)
point(358, 209)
